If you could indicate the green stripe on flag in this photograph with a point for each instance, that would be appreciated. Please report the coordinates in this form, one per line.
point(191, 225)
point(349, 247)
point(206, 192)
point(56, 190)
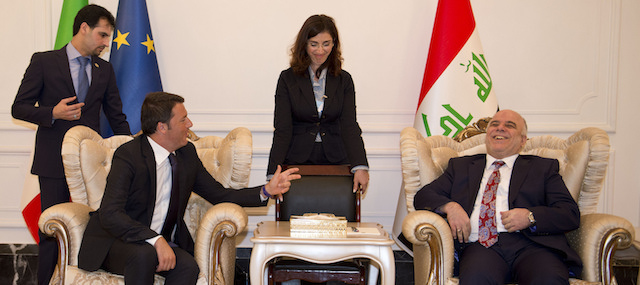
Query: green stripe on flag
point(65, 27)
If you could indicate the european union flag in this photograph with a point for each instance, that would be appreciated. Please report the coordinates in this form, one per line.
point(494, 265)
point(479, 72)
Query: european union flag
point(133, 56)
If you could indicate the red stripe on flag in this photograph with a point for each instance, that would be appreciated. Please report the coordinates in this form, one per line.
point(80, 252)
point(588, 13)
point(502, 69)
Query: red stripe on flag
point(31, 214)
point(453, 26)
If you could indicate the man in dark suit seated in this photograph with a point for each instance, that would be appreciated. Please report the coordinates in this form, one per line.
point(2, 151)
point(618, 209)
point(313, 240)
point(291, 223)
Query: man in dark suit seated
point(139, 229)
point(508, 213)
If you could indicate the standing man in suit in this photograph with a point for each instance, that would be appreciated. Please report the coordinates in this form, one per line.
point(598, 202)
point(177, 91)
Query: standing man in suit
point(508, 213)
point(139, 229)
point(62, 89)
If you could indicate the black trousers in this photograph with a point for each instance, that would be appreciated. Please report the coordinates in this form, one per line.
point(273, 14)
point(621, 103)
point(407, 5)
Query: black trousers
point(52, 191)
point(514, 258)
point(137, 262)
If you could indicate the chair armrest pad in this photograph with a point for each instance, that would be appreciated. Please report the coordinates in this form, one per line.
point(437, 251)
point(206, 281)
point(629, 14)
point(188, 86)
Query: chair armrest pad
point(74, 218)
point(415, 224)
point(597, 234)
point(219, 226)
point(432, 243)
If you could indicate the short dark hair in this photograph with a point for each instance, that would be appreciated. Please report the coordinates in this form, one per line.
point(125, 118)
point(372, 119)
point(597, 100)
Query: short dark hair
point(91, 14)
point(314, 25)
point(157, 107)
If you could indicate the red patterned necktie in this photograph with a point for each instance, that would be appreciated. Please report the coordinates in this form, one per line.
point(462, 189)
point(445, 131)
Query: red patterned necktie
point(488, 232)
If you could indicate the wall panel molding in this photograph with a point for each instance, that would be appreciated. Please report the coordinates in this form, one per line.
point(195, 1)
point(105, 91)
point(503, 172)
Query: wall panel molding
point(371, 121)
point(12, 166)
point(563, 75)
point(261, 120)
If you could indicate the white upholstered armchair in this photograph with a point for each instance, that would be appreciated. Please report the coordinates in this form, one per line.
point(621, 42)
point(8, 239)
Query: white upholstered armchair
point(87, 161)
point(583, 158)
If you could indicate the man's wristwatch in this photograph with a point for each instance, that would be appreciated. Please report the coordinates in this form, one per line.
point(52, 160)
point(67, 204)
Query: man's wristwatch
point(532, 220)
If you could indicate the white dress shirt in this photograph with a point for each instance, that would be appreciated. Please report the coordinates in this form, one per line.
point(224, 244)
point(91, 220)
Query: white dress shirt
point(502, 195)
point(163, 188)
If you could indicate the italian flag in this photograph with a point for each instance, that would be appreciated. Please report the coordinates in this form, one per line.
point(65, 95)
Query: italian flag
point(456, 88)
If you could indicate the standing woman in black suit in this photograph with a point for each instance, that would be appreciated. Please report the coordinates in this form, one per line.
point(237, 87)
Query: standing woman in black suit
point(315, 109)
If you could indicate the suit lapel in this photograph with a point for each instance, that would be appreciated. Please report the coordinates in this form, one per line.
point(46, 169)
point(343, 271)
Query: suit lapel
point(476, 169)
point(62, 61)
point(330, 90)
point(306, 93)
point(150, 162)
point(96, 74)
point(518, 174)
point(182, 181)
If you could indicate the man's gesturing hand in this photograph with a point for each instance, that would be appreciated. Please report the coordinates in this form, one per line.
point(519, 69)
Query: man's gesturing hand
point(281, 181)
point(67, 112)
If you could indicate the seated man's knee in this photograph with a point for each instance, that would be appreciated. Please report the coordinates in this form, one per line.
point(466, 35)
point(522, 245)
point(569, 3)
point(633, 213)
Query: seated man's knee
point(483, 273)
point(479, 265)
point(481, 277)
point(195, 271)
point(541, 266)
point(186, 270)
point(191, 266)
point(137, 262)
point(550, 279)
point(146, 257)
point(552, 276)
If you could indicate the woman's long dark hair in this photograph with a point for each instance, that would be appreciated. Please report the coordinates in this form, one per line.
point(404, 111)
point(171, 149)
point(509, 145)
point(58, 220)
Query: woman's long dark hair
point(314, 25)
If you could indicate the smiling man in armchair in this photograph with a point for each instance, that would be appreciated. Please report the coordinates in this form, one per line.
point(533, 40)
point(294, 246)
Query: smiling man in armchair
point(507, 212)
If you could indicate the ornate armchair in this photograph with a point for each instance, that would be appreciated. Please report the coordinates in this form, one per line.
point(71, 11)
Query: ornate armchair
point(583, 158)
point(87, 161)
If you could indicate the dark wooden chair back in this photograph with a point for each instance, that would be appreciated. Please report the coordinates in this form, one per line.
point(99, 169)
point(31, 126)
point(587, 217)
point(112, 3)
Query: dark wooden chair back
point(322, 189)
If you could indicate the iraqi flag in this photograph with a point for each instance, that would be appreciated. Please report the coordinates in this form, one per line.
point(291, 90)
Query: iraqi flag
point(456, 88)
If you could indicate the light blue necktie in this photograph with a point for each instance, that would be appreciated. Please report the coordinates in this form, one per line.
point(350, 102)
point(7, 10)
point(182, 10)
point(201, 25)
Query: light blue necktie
point(83, 79)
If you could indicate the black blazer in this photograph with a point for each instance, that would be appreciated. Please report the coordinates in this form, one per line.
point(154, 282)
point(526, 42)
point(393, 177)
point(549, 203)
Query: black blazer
point(296, 121)
point(127, 207)
point(535, 184)
point(46, 81)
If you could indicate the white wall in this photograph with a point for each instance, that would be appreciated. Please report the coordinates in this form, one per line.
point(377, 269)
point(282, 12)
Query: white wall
point(563, 64)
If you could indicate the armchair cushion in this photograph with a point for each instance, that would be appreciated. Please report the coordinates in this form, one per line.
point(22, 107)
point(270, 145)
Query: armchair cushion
point(87, 160)
point(234, 151)
point(78, 276)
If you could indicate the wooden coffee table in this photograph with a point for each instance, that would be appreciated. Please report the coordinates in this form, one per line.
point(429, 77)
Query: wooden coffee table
point(271, 239)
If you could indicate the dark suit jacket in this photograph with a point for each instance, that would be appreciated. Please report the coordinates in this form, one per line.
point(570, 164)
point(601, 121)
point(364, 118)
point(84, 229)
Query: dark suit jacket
point(127, 207)
point(46, 81)
point(535, 184)
point(296, 121)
